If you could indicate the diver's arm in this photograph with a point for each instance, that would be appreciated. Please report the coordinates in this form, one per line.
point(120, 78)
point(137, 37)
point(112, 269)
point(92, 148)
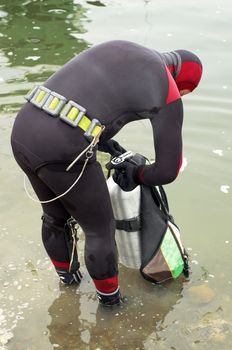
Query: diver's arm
point(167, 126)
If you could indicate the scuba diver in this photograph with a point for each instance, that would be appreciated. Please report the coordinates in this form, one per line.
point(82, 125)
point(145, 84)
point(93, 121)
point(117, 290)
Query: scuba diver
point(76, 112)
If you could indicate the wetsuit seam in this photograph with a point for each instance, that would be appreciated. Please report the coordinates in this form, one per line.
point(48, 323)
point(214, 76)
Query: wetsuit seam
point(19, 143)
point(50, 162)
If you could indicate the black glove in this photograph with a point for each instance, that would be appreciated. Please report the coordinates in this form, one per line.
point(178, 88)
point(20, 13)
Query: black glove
point(125, 174)
point(111, 146)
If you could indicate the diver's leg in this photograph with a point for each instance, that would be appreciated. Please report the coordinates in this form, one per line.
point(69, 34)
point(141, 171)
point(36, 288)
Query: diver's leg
point(56, 234)
point(60, 238)
point(89, 203)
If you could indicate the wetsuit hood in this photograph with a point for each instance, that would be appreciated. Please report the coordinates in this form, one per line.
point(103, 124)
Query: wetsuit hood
point(186, 68)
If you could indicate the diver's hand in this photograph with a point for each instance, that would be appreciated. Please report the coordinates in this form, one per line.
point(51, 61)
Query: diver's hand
point(125, 175)
point(111, 146)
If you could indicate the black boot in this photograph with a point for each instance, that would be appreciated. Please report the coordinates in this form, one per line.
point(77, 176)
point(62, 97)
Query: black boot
point(67, 277)
point(111, 299)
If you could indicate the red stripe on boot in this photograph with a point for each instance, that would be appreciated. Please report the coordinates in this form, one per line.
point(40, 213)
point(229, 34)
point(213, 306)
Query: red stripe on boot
point(108, 285)
point(61, 265)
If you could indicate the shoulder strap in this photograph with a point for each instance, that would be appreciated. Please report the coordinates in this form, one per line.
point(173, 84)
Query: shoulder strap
point(164, 197)
point(161, 198)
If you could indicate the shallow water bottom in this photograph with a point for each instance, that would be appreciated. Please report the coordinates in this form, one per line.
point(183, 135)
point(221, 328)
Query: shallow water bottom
point(37, 312)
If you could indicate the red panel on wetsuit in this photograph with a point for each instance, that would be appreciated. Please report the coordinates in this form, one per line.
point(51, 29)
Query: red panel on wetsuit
point(173, 92)
point(61, 265)
point(108, 285)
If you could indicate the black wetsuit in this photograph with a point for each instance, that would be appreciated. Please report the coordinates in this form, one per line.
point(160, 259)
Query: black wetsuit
point(117, 82)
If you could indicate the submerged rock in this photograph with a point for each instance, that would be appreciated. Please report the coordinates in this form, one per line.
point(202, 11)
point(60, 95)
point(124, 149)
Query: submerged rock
point(202, 294)
point(212, 327)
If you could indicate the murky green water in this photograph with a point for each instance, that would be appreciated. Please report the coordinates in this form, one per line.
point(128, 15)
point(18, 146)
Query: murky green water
point(37, 37)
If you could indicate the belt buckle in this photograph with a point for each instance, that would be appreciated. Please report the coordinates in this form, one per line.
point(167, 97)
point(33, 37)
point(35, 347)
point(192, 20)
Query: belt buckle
point(40, 96)
point(88, 132)
point(54, 104)
point(72, 113)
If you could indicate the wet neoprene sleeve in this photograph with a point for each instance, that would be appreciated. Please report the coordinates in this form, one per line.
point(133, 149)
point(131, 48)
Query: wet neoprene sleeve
point(167, 126)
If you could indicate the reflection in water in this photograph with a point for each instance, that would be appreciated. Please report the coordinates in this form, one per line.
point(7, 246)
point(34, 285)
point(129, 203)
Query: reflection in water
point(41, 32)
point(96, 3)
point(77, 321)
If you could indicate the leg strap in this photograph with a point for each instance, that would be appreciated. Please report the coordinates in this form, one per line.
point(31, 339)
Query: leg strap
point(70, 229)
point(58, 223)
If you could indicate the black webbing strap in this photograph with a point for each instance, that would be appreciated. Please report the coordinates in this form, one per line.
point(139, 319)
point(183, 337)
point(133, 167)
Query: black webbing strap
point(52, 221)
point(162, 200)
point(131, 225)
point(163, 196)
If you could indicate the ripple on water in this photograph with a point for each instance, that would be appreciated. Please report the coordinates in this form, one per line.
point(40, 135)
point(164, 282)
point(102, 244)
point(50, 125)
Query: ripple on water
point(57, 11)
point(219, 152)
point(32, 58)
point(211, 103)
point(3, 14)
point(225, 188)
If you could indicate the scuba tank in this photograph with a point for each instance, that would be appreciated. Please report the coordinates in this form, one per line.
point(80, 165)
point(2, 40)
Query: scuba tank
point(126, 208)
point(146, 235)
